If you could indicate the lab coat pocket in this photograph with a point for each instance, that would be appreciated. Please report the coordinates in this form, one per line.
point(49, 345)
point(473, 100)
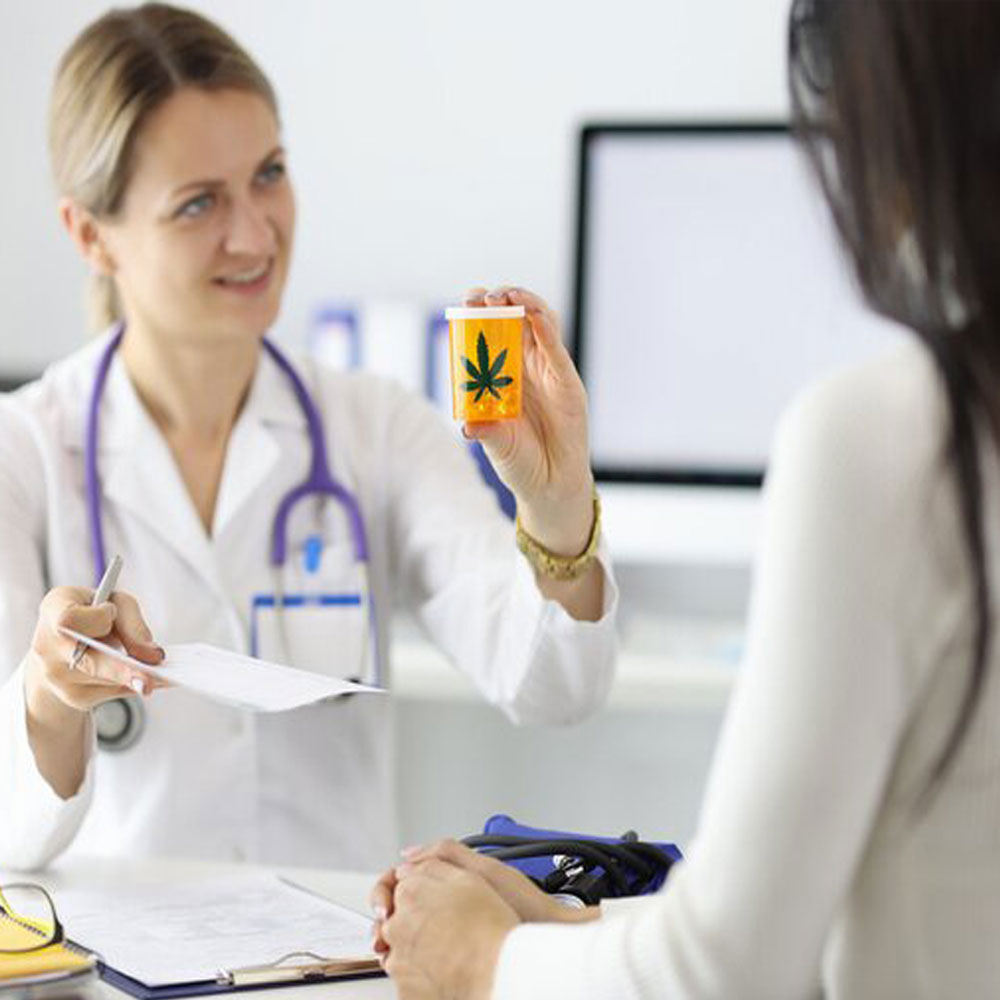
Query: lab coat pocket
point(316, 616)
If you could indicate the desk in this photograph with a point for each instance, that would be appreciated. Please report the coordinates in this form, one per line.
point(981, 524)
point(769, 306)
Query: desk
point(347, 888)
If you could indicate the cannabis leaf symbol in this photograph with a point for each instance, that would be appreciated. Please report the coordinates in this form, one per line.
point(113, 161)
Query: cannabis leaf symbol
point(486, 378)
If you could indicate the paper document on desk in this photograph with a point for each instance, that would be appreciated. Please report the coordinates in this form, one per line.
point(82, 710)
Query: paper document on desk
point(233, 678)
point(168, 933)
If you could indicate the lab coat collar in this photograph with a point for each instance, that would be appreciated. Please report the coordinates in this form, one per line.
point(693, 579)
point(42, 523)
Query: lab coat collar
point(253, 451)
point(138, 471)
point(270, 401)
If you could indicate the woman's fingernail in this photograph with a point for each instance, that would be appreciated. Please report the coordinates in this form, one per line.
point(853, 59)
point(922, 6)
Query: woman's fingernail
point(411, 851)
point(136, 685)
point(380, 913)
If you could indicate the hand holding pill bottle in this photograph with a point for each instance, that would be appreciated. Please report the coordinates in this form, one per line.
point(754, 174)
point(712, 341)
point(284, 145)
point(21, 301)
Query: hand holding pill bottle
point(485, 351)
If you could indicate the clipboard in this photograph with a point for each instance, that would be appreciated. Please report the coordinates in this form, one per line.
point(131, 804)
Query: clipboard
point(194, 938)
point(254, 977)
point(291, 969)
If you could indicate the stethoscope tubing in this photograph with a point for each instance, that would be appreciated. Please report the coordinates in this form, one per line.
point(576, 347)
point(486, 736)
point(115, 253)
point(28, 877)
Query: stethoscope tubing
point(318, 482)
point(92, 483)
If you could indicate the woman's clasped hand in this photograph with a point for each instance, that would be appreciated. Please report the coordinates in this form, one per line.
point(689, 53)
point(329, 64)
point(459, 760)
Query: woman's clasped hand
point(446, 893)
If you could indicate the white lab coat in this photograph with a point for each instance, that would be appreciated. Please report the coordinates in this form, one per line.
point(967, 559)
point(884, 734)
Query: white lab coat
point(313, 786)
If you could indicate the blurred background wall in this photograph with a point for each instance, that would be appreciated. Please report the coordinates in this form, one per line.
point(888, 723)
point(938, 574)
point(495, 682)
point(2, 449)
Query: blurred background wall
point(431, 141)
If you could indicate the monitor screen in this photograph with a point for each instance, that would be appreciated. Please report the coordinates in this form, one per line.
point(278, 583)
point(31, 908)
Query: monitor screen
point(709, 289)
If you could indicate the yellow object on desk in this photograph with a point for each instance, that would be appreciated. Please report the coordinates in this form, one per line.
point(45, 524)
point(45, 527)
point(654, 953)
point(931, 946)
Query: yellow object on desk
point(50, 960)
point(33, 950)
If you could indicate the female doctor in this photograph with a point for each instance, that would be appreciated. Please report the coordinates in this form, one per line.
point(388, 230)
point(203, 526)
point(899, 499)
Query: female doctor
point(262, 504)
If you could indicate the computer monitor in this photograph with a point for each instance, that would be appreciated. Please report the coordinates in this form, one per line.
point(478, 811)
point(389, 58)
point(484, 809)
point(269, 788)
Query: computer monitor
point(709, 289)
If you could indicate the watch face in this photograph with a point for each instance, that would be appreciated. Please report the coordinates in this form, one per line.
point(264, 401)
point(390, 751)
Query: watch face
point(119, 723)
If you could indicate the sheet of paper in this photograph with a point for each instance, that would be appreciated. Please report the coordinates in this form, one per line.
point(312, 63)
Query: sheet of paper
point(233, 678)
point(188, 932)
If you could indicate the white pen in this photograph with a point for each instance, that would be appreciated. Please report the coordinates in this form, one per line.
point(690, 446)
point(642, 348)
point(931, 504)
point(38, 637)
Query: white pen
point(103, 592)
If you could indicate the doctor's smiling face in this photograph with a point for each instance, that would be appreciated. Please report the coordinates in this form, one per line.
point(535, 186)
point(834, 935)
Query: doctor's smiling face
point(200, 248)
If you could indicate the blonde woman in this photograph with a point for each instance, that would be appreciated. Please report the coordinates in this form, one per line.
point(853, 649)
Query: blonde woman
point(260, 503)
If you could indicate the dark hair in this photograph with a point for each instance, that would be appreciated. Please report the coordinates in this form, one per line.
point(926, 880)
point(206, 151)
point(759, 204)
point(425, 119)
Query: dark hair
point(898, 105)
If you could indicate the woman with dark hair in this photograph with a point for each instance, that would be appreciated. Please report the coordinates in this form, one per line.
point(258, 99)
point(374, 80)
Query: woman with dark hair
point(850, 835)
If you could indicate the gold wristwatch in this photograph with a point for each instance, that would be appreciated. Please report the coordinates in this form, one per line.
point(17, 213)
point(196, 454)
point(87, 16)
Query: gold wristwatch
point(555, 566)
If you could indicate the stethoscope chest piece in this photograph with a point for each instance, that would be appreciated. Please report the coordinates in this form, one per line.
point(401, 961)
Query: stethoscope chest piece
point(119, 723)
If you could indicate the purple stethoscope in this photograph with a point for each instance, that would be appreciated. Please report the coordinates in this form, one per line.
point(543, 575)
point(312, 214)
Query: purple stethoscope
point(319, 481)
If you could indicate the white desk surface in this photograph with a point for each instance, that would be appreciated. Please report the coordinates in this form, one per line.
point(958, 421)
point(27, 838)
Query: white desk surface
point(347, 888)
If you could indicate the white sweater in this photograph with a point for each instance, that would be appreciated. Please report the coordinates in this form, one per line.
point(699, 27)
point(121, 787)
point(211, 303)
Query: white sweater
point(812, 864)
